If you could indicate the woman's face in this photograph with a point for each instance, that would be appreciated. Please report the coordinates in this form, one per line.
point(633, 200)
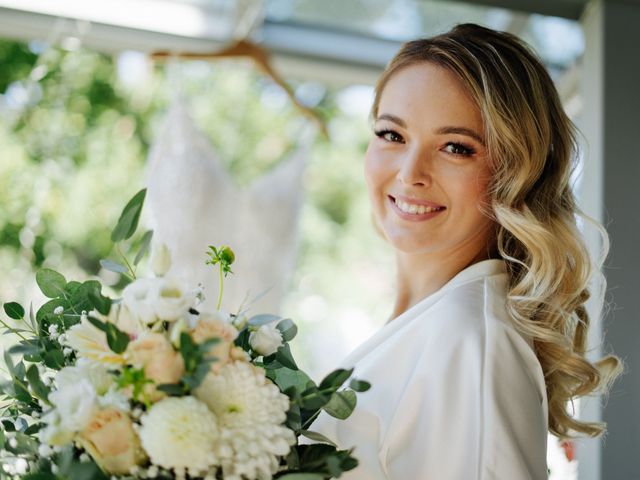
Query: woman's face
point(426, 167)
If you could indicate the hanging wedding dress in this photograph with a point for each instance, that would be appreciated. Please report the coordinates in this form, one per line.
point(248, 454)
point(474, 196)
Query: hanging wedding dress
point(194, 203)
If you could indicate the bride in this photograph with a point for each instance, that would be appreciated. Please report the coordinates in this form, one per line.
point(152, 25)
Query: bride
point(468, 177)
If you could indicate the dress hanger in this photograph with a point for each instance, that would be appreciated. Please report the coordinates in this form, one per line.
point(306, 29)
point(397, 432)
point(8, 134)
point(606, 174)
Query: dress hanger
point(246, 48)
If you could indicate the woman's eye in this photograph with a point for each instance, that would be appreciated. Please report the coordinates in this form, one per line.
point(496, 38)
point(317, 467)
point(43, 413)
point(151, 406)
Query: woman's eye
point(388, 135)
point(459, 149)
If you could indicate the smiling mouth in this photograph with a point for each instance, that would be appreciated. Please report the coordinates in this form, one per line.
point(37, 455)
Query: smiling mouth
point(414, 208)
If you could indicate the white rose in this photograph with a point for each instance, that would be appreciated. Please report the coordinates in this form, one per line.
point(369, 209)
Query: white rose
point(76, 404)
point(85, 369)
point(139, 297)
point(266, 340)
point(173, 298)
point(160, 259)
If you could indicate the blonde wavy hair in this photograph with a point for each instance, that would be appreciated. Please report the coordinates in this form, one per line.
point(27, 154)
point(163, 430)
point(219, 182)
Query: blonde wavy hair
point(532, 149)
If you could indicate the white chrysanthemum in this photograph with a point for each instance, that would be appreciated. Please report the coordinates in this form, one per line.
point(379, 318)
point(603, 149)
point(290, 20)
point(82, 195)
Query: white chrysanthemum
point(180, 433)
point(250, 411)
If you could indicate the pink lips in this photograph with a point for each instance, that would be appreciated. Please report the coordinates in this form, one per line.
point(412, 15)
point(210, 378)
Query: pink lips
point(413, 217)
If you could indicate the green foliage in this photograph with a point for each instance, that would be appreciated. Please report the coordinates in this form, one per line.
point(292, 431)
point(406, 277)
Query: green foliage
point(51, 282)
point(116, 338)
point(145, 243)
point(135, 378)
point(197, 364)
point(128, 222)
point(14, 310)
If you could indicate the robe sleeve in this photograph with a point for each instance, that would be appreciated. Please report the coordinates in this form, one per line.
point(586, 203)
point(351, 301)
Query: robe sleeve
point(473, 408)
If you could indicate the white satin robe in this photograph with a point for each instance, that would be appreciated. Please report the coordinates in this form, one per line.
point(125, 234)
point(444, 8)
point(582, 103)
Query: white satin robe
point(457, 393)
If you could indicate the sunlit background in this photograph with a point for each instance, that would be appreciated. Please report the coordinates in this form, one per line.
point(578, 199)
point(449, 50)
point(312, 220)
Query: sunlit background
point(79, 114)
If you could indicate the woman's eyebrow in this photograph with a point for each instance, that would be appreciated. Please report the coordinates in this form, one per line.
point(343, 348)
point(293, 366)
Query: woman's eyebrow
point(461, 131)
point(440, 131)
point(393, 118)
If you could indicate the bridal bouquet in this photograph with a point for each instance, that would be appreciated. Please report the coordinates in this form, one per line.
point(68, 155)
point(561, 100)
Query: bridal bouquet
point(148, 386)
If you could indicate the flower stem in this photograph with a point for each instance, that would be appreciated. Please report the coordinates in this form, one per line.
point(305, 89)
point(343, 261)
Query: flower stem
point(310, 420)
point(133, 274)
point(220, 294)
point(11, 328)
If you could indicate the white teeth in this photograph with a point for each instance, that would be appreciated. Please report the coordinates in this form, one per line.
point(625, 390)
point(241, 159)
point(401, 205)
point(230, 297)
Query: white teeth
point(413, 208)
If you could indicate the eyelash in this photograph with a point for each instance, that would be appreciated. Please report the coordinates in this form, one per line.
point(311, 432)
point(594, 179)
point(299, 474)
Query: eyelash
point(467, 151)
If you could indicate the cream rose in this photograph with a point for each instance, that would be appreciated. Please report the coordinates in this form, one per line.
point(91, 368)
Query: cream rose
point(112, 442)
point(161, 363)
point(213, 325)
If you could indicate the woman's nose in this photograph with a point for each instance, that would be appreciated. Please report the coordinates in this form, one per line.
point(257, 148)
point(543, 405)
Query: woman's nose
point(414, 168)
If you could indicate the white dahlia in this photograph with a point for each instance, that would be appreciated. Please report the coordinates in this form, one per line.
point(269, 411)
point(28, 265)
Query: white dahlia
point(180, 433)
point(250, 411)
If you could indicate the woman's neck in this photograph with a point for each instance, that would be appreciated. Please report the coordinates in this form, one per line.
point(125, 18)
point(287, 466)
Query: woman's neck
point(419, 276)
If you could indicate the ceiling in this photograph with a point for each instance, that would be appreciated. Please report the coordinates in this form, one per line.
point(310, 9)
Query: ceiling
point(334, 41)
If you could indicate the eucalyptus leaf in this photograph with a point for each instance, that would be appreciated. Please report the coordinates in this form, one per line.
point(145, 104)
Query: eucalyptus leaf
point(293, 460)
point(302, 476)
point(46, 310)
point(341, 404)
point(25, 348)
point(312, 398)
point(294, 418)
point(334, 467)
point(283, 355)
point(50, 282)
point(40, 476)
point(14, 310)
point(21, 393)
point(318, 437)
point(129, 218)
point(359, 385)
point(262, 319)
point(21, 424)
point(37, 386)
point(101, 303)
point(144, 247)
point(172, 389)
point(335, 379)
point(54, 359)
point(286, 378)
point(288, 329)
point(116, 338)
point(32, 317)
point(113, 266)
point(9, 362)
